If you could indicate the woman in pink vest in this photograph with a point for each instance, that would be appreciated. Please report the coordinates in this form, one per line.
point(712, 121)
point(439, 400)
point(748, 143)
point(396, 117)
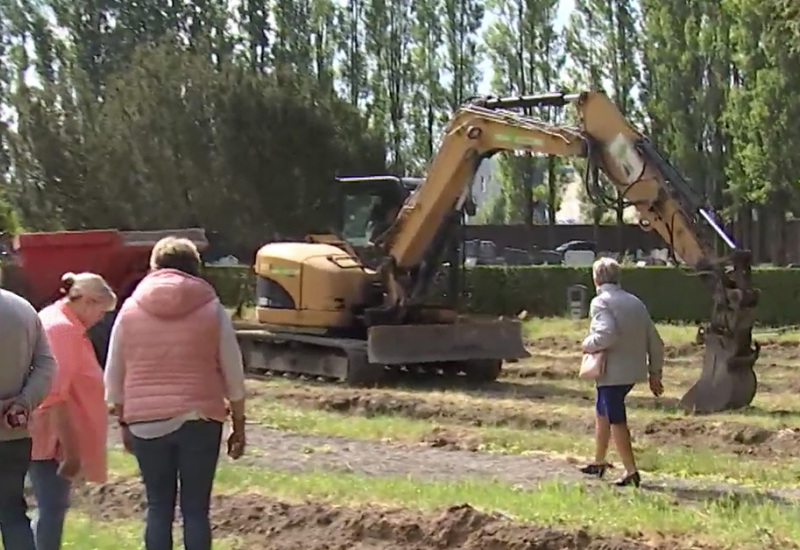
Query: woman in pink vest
point(173, 359)
point(69, 428)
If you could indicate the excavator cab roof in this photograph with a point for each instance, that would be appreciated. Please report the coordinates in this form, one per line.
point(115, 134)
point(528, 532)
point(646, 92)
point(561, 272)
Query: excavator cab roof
point(379, 185)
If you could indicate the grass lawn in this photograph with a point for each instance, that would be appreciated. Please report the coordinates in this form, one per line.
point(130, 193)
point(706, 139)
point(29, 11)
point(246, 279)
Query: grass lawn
point(81, 532)
point(672, 333)
point(601, 510)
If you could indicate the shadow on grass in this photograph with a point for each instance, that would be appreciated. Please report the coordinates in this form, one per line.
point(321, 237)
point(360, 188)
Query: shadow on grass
point(725, 494)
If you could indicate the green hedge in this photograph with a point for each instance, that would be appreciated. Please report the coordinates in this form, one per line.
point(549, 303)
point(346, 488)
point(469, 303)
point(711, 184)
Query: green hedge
point(671, 294)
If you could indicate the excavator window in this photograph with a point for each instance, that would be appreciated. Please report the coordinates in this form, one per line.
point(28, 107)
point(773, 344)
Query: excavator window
point(359, 211)
point(370, 204)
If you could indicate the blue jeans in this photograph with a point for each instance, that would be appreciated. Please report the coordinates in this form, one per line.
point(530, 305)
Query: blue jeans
point(52, 500)
point(15, 527)
point(187, 456)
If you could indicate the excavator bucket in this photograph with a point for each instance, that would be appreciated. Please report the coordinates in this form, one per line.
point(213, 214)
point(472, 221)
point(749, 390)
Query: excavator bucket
point(727, 382)
point(431, 343)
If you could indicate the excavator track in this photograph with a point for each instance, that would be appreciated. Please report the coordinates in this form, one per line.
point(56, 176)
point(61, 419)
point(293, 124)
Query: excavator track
point(267, 353)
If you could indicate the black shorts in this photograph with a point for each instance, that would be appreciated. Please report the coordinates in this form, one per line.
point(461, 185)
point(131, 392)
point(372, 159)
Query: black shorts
point(611, 403)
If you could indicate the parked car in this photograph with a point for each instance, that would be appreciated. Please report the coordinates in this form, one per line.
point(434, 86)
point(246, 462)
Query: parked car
point(577, 245)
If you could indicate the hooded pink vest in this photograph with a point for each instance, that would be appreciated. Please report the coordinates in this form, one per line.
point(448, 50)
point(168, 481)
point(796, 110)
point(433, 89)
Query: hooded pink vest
point(170, 348)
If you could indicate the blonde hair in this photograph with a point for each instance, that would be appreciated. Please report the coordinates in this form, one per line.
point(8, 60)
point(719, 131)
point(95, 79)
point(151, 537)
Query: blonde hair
point(176, 253)
point(77, 285)
point(606, 271)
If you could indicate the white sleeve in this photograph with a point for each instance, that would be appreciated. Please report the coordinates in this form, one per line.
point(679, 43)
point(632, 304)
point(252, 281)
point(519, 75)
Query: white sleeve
point(230, 358)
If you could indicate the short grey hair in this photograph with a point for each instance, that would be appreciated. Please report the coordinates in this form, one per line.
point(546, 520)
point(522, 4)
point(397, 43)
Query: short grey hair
point(176, 253)
point(606, 271)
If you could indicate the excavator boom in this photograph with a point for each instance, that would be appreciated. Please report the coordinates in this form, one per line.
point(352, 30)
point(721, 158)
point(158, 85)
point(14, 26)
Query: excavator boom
point(666, 204)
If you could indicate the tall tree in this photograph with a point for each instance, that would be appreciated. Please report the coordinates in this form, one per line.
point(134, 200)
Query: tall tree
point(762, 116)
point(388, 26)
point(427, 95)
point(353, 66)
point(291, 49)
point(603, 42)
point(254, 33)
point(523, 48)
point(463, 19)
point(324, 39)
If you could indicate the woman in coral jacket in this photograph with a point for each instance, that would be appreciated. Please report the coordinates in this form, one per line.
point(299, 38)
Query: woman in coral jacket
point(69, 428)
point(173, 359)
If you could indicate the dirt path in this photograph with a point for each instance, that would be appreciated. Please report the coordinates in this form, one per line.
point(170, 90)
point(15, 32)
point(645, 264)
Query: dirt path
point(288, 451)
point(260, 523)
point(300, 452)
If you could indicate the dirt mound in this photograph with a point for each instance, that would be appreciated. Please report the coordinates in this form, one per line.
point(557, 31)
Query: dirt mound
point(557, 344)
point(262, 523)
point(365, 403)
point(690, 431)
point(568, 345)
point(734, 436)
point(784, 349)
point(543, 368)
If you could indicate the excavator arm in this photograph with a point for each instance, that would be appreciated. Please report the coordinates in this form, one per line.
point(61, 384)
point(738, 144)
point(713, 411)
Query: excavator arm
point(667, 204)
point(664, 200)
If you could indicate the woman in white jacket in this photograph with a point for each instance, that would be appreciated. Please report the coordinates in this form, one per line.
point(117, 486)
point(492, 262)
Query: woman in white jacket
point(621, 327)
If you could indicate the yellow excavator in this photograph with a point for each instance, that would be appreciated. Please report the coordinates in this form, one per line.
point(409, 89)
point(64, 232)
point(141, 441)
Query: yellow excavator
point(322, 310)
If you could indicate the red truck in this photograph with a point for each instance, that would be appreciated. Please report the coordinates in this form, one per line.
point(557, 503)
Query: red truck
point(33, 264)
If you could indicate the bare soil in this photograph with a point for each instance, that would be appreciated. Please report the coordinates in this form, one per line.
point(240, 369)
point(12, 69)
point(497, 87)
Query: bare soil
point(560, 344)
point(688, 431)
point(264, 523)
point(432, 460)
point(786, 349)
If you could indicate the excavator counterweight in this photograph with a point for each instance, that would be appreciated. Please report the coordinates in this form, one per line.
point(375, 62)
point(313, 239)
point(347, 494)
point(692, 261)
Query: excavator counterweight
point(473, 340)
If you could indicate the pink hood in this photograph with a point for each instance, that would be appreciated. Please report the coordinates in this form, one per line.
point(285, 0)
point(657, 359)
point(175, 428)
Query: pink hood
point(171, 294)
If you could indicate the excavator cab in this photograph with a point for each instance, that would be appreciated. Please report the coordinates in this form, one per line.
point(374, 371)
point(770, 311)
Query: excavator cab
point(369, 205)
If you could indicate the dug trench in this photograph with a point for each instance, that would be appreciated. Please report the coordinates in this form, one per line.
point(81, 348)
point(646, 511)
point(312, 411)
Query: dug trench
point(259, 522)
point(785, 349)
point(686, 431)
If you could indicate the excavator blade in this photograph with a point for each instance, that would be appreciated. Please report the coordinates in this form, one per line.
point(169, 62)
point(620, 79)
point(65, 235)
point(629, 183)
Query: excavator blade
point(727, 382)
point(431, 343)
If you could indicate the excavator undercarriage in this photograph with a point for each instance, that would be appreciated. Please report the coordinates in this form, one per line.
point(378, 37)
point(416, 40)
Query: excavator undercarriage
point(324, 310)
point(438, 350)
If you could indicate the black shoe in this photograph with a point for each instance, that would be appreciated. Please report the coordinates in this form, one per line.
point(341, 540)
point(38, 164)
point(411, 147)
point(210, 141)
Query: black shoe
point(598, 470)
point(630, 479)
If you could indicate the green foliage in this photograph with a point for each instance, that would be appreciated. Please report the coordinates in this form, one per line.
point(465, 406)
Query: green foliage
point(154, 114)
point(234, 284)
point(527, 55)
point(671, 294)
point(188, 142)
